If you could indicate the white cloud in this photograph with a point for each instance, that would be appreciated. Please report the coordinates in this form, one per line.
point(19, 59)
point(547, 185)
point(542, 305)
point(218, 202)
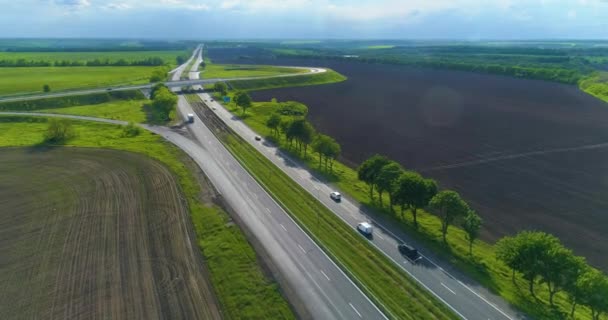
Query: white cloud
point(117, 6)
point(230, 4)
point(74, 3)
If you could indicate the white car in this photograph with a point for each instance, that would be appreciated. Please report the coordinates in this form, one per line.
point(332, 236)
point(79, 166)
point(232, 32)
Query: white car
point(365, 228)
point(336, 196)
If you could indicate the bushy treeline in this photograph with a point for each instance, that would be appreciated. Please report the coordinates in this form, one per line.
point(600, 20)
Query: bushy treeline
point(550, 73)
point(151, 61)
point(68, 101)
point(163, 103)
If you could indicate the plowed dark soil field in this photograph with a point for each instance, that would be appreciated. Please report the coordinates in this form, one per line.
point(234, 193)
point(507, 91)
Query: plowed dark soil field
point(525, 154)
point(96, 234)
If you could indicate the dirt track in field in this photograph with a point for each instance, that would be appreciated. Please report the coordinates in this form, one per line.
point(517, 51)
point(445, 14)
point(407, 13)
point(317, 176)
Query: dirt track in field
point(96, 234)
point(525, 154)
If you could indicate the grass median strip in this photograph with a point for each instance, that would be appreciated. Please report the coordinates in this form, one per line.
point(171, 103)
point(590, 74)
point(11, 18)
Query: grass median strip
point(392, 290)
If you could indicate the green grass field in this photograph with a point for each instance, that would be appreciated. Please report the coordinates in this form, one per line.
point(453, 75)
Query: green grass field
point(596, 85)
point(234, 268)
point(482, 265)
point(31, 80)
point(127, 110)
point(168, 56)
point(236, 71)
point(389, 286)
point(329, 76)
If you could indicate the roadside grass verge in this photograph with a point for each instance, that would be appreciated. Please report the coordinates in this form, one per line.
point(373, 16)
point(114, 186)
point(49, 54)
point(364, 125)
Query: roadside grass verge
point(482, 266)
point(239, 282)
point(385, 283)
point(240, 70)
point(31, 80)
point(127, 110)
point(596, 85)
point(329, 76)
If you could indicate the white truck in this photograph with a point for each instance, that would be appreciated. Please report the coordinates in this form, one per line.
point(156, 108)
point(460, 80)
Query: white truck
point(190, 118)
point(365, 228)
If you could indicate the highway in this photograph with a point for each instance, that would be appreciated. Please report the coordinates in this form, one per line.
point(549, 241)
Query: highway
point(464, 296)
point(176, 73)
point(322, 286)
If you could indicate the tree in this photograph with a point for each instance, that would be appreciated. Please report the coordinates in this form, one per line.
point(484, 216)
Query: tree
point(449, 206)
point(155, 89)
point(46, 88)
point(332, 153)
point(471, 225)
point(414, 192)
point(560, 268)
point(273, 123)
point(386, 180)
point(369, 169)
point(163, 103)
point(303, 132)
point(158, 74)
point(307, 136)
point(594, 288)
point(220, 87)
point(242, 99)
point(507, 252)
point(327, 148)
point(58, 131)
point(284, 126)
point(529, 252)
point(576, 294)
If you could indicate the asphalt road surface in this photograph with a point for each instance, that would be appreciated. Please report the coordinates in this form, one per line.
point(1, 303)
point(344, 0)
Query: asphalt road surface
point(176, 73)
point(463, 295)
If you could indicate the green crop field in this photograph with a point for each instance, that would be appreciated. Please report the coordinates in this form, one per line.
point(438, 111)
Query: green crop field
point(329, 76)
point(168, 56)
point(31, 80)
point(127, 110)
point(236, 71)
point(596, 85)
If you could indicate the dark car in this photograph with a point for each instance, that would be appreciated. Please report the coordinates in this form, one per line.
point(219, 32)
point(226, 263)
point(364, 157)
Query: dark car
point(410, 252)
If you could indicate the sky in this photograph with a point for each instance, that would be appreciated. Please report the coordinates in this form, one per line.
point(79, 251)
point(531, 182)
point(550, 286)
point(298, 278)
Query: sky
point(306, 19)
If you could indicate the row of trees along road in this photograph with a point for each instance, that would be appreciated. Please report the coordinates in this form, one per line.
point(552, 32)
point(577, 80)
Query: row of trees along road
point(541, 256)
point(537, 256)
point(289, 118)
point(410, 190)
